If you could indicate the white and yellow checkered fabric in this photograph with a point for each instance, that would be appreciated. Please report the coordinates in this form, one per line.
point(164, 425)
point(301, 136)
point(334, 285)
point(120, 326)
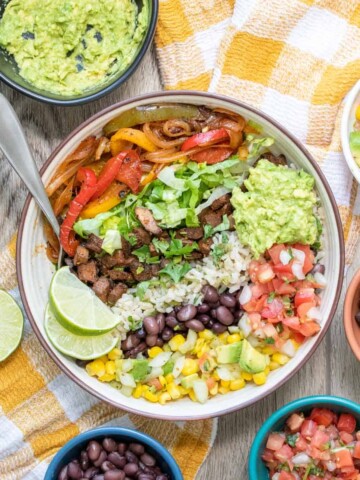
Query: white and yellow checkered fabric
point(293, 59)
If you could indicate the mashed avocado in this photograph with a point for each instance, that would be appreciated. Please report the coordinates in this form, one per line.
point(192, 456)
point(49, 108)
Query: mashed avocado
point(277, 208)
point(68, 46)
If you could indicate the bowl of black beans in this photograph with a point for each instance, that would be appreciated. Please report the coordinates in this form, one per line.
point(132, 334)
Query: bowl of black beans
point(113, 453)
point(352, 314)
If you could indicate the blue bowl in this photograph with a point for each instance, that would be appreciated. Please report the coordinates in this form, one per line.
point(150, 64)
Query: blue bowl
point(257, 469)
point(72, 449)
point(9, 72)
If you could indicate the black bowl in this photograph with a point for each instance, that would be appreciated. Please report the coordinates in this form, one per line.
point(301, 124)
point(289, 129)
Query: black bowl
point(9, 71)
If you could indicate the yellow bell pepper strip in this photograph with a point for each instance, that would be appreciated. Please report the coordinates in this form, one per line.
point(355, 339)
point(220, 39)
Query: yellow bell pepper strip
point(108, 200)
point(118, 146)
point(134, 136)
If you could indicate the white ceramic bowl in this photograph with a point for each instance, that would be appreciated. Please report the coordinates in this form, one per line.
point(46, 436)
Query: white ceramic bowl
point(35, 271)
point(351, 101)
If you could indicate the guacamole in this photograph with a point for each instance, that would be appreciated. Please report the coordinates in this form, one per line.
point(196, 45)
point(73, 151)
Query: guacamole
point(68, 46)
point(277, 208)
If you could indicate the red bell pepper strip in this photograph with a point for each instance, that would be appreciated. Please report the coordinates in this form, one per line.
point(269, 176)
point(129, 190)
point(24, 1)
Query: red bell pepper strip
point(67, 236)
point(108, 174)
point(205, 139)
point(212, 155)
point(130, 171)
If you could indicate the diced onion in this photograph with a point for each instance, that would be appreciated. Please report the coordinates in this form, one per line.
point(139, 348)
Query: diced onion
point(298, 255)
point(201, 391)
point(160, 360)
point(301, 459)
point(320, 279)
point(331, 466)
point(314, 314)
point(288, 349)
point(245, 325)
point(245, 295)
point(179, 365)
point(224, 374)
point(189, 343)
point(276, 476)
point(127, 380)
point(126, 365)
point(259, 333)
point(298, 271)
point(127, 391)
point(285, 257)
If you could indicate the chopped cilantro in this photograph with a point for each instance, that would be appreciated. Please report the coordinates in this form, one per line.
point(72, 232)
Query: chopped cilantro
point(271, 297)
point(176, 271)
point(291, 439)
point(141, 289)
point(144, 255)
point(209, 231)
point(174, 248)
point(269, 341)
point(279, 327)
point(139, 270)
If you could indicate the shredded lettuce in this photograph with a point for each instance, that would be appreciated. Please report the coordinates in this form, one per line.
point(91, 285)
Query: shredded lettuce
point(111, 241)
point(93, 225)
point(257, 144)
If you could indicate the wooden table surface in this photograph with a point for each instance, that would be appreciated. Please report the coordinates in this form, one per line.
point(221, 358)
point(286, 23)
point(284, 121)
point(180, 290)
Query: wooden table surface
point(332, 369)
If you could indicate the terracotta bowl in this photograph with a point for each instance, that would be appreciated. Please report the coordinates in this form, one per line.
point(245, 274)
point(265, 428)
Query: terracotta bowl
point(35, 271)
point(351, 307)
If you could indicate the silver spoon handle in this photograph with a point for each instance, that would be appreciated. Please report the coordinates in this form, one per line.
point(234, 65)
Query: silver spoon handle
point(16, 149)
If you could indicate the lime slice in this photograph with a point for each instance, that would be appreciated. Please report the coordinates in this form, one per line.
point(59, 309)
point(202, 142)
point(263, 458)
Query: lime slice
point(11, 325)
point(77, 307)
point(77, 346)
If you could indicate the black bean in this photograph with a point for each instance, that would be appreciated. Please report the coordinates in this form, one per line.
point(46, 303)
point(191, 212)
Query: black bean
point(84, 460)
point(99, 477)
point(114, 475)
point(203, 318)
point(81, 363)
point(224, 315)
point(213, 313)
point(203, 308)
point(141, 333)
point(106, 466)
point(160, 319)
point(171, 321)
point(162, 477)
point(227, 300)
point(148, 460)
point(195, 325)
point(219, 328)
point(90, 472)
point(238, 314)
point(214, 305)
point(167, 334)
point(186, 313)
point(131, 469)
point(318, 268)
point(210, 323)
point(109, 445)
point(131, 457)
point(159, 342)
point(137, 448)
point(117, 459)
point(63, 475)
point(357, 318)
point(210, 294)
point(151, 340)
point(122, 447)
point(140, 348)
point(101, 459)
point(74, 471)
point(177, 309)
point(151, 326)
point(93, 450)
point(146, 476)
point(130, 342)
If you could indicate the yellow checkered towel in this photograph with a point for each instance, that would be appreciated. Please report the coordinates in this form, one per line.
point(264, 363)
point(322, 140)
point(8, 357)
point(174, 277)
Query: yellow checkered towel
point(41, 409)
point(293, 59)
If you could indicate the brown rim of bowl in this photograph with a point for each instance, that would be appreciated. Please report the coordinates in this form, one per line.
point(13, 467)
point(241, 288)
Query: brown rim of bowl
point(351, 292)
point(206, 96)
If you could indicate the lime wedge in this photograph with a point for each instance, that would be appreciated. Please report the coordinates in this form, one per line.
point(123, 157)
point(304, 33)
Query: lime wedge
point(77, 307)
point(11, 325)
point(77, 346)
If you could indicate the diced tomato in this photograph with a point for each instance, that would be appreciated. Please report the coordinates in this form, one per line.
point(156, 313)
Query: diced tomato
point(258, 290)
point(346, 437)
point(304, 295)
point(275, 441)
point(322, 416)
point(319, 439)
point(349, 473)
point(273, 309)
point(155, 382)
point(282, 288)
point(309, 256)
point(303, 309)
point(275, 251)
point(347, 423)
point(212, 155)
point(253, 270)
point(267, 455)
point(294, 422)
point(265, 273)
point(284, 272)
point(298, 337)
point(286, 476)
point(356, 453)
point(308, 329)
point(255, 305)
point(344, 459)
point(308, 428)
point(301, 444)
point(284, 453)
point(210, 382)
point(292, 322)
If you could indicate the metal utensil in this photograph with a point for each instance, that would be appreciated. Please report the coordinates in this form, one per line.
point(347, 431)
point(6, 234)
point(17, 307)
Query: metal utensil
point(16, 149)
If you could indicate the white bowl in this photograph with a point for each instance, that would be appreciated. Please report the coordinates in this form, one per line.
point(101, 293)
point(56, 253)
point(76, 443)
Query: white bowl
point(35, 271)
point(351, 101)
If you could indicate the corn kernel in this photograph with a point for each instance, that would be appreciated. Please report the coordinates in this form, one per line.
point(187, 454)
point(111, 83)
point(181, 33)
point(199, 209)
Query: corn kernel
point(107, 377)
point(183, 391)
point(169, 378)
point(144, 389)
point(137, 391)
point(162, 380)
point(259, 378)
point(164, 397)
point(154, 352)
point(166, 348)
point(215, 376)
point(357, 112)
point(192, 396)
point(246, 376)
point(296, 345)
point(115, 354)
point(152, 397)
point(173, 390)
point(206, 334)
point(190, 366)
point(110, 367)
point(214, 390)
point(223, 336)
point(237, 384)
point(274, 365)
point(104, 358)
point(96, 368)
point(225, 383)
point(267, 370)
point(280, 358)
point(224, 390)
point(176, 342)
point(269, 350)
point(233, 338)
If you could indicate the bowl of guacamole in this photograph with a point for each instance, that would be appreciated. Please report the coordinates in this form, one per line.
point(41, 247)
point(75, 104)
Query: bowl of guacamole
point(69, 52)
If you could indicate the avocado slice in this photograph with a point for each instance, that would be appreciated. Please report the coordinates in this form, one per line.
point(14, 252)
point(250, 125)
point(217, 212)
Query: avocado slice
point(251, 360)
point(354, 142)
point(187, 382)
point(140, 369)
point(229, 353)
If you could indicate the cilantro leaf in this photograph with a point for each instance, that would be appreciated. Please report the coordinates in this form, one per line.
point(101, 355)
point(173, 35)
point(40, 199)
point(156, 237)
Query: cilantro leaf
point(224, 225)
point(144, 255)
point(291, 439)
point(176, 271)
point(269, 341)
point(141, 289)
